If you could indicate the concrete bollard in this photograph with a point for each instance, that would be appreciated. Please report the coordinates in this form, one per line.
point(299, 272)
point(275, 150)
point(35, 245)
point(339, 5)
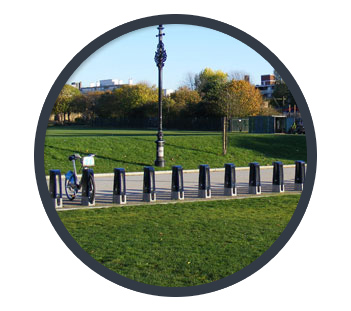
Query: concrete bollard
point(177, 183)
point(204, 181)
point(55, 188)
point(255, 178)
point(300, 175)
point(149, 188)
point(88, 188)
point(278, 177)
point(229, 180)
point(119, 186)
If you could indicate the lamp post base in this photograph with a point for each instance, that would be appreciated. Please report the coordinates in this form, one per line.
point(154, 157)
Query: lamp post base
point(160, 161)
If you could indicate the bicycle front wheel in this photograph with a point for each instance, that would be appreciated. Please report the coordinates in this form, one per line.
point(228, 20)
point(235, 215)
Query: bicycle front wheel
point(71, 190)
point(91, 187)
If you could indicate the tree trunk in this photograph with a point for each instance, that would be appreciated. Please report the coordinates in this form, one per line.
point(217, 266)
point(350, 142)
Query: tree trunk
point(225, 135)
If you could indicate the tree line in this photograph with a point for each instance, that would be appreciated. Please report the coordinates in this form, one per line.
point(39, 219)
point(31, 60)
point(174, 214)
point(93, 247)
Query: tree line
point(212, 94)
point(209, 93)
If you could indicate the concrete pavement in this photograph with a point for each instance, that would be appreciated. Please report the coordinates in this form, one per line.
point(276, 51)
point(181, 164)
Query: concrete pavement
point(134, 183)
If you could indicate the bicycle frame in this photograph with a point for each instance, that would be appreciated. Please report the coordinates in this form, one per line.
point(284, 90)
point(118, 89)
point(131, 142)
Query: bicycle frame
point(73, 174)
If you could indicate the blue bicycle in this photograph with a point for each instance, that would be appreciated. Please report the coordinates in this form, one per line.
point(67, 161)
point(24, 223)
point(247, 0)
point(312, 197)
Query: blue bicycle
point(72, 184)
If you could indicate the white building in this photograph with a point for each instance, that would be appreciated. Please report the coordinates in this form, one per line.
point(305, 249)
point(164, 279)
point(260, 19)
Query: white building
point(103, 85)
point(167, 92)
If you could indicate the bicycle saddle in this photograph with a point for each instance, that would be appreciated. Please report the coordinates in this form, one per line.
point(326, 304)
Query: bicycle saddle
point(74, 157)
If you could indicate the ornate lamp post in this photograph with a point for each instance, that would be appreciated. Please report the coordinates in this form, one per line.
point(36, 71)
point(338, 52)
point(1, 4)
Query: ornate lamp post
point(160, 58)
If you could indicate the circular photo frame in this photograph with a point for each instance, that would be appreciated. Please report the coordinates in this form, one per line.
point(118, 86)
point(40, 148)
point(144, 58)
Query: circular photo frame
point(195, 21)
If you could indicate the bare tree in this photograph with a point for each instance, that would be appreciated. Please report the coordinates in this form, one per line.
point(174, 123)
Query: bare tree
point(189, 81)
point(239, 75)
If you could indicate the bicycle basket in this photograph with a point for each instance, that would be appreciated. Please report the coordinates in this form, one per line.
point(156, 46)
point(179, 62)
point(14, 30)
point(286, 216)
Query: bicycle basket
point(88, 161)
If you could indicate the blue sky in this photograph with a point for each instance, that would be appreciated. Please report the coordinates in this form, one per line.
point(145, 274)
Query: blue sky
point(190, 49)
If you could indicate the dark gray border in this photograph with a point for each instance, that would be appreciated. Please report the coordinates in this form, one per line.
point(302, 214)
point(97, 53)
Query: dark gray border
point(77, 61)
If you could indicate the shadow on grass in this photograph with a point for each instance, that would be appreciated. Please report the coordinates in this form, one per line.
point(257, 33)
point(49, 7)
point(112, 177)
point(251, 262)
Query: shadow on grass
point(124, 134)
point(88, 132)
point(180, 147)
point(290, 147)
point(72, 151)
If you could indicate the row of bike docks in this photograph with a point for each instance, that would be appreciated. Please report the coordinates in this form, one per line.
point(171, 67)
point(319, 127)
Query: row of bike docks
point(119, 193)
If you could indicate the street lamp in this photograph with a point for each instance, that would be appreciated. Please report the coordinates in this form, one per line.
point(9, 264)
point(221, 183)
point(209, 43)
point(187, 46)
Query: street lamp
point(160, 58)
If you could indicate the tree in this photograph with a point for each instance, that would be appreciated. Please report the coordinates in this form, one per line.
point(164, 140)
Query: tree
point(63, 103)
point(131, 97)
point(86, 104)
point(189, 81)
point(278, 77)
point(281, 93)
point(244, 99)
point(107, 106)
point(185, 101)
point(238, 98)
point(238, 75)
point(207, 79)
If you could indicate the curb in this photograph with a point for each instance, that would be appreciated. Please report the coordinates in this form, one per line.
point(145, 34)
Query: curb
point(184, 171)
point(63, 209)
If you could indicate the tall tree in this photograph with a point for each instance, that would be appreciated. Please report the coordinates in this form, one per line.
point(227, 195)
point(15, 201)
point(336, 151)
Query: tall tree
point(208, 79)
point(278, 77)
point(238, 98)
point(86, 104)
point(281, 94)
point(131, 97)
point(189, 81)
point(63, 103)
point(185, 101)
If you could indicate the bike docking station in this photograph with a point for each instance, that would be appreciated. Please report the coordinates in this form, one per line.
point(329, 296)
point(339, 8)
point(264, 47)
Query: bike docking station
point(254, 179)
point(300, 175)
point(55, 188)
point(204, 182)
point(88, 197)
point(278, 177)
point(229, 180)
point(177, 183)
point(119, 186)
point(149, 188)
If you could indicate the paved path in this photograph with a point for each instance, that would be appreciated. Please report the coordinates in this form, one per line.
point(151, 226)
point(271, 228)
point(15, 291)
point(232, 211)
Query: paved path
point(134, 182)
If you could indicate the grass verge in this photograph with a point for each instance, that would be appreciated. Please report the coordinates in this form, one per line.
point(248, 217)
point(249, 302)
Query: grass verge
point(184, 244)
point(133, 150)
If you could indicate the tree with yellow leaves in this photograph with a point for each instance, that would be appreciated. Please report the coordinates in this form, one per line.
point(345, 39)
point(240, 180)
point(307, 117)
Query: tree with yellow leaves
point(238, 99)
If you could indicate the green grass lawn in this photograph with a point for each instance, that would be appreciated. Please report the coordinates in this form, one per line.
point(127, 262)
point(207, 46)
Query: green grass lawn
point(182, 244)
point(134, 149)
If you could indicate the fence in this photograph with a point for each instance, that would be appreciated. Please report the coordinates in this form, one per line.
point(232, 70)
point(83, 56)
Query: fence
point(178, 123)
point(238, 125)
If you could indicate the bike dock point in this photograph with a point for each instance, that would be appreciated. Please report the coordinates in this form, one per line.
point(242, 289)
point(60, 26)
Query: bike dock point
point(177, 192)
point(300, 175)
point(149, 188)
point(255, 178)
point(119, 186)
point(204, 181)
point(230, 180)
point(88, 197)
point(278, 177)
point(180, 184)
point(55, 188)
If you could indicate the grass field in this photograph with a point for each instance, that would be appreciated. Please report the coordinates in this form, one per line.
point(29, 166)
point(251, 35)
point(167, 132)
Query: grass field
point(183, 244)
point(133, 150)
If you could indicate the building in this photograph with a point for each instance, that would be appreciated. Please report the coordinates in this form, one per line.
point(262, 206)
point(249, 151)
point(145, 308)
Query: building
point(167, 92)
point(77, 85)
point(267, 86)
point(108, 85)
point(270, 124)
point(101, 86)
